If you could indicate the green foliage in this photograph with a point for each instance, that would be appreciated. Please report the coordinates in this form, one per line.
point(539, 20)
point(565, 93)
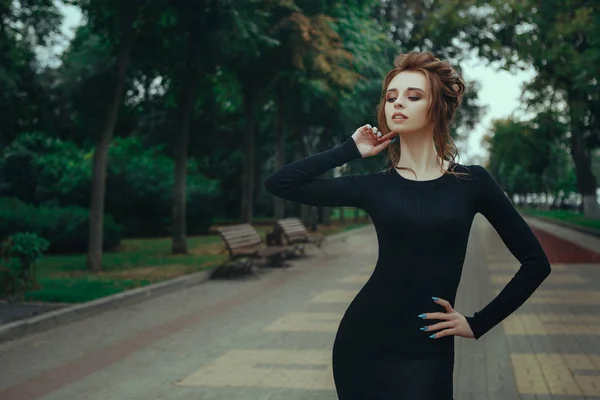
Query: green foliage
point(65, 228)
point(23, 103)
point(39, 169)
point(53, 172)
point(326, 57)
point(17, 266)
point(140, 190)
point(530, 156)
point(570, 217)
point(561, 41)
point(87, 67)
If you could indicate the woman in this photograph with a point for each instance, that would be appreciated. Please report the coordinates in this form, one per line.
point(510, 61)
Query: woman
point(393, 342)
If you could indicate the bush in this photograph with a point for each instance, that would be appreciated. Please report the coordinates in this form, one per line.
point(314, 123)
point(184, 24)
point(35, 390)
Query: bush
point(17, 268)
point(140, 180)
point(65, 228)
point(139, 190)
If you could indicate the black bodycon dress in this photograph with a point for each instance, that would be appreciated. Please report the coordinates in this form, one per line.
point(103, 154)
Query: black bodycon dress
point(422, 228)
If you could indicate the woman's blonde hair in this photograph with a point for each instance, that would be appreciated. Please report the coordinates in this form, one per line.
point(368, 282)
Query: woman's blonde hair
point(446, 90)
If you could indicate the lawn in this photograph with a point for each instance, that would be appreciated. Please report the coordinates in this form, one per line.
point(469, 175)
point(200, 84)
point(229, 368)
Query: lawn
point(571, 217)
point(139, 262)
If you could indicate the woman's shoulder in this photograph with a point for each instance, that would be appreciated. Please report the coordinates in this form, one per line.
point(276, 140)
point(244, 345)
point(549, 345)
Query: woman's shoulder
point(475, 171)
point(473, 175)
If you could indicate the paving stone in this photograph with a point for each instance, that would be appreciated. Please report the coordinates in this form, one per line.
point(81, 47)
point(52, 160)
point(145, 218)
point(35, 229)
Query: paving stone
point(271, 339)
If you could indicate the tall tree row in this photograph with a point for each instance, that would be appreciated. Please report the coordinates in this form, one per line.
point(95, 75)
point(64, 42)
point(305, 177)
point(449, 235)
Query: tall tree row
point(560, 40)
point(218, 96)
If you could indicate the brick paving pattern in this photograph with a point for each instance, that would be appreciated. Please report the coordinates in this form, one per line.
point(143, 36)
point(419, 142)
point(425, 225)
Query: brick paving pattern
point(270, 339)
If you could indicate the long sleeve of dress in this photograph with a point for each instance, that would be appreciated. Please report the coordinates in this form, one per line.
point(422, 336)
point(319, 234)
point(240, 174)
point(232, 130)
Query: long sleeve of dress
point(298, 181)
point(492, 203)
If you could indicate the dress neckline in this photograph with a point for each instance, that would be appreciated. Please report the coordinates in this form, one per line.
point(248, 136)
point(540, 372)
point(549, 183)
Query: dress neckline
point(426, 183)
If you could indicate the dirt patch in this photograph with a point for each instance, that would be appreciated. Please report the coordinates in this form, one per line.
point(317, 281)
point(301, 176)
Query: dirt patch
point(150, 273)
point(213, 249)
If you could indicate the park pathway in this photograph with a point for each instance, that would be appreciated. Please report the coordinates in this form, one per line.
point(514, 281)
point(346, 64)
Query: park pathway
point(271, 339)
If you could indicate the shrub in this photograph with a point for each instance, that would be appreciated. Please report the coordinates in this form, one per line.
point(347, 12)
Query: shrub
point(17, 268)
point(65, 228)
point(140, 180)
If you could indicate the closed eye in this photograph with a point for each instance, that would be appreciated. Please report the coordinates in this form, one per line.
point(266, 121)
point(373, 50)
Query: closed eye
point(393, 99)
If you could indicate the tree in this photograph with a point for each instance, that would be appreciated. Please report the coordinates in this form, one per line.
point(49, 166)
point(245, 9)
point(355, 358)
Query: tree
point(117, 21)
point(302, 49)
point(561, 40)
point(24, 104)
point(190, 28)
point(529, 156)
point(316, 62)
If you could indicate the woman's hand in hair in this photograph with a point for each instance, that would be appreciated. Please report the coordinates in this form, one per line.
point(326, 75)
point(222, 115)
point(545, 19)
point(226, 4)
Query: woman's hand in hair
point(369, 141)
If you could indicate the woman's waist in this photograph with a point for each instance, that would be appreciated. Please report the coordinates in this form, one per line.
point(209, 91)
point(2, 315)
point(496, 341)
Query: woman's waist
point(406, 293)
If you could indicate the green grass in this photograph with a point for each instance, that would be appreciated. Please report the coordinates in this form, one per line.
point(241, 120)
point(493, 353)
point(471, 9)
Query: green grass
point(139, 262)
point(348, 213)
point(572, 217)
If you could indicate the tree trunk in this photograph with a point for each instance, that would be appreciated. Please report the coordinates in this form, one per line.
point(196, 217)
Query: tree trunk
point(314, 218)
point(305, 214)
point(278, 203)
point(586, 181)
point(326, 215)
point(342, 216)
point(186, 102)
point(94, 257)
point(305, 210)
point(186, 112)
point(247, 203)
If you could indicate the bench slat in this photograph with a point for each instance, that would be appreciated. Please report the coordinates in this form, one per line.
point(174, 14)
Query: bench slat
point(295, 231)
point(240, 236)
point(244, 241)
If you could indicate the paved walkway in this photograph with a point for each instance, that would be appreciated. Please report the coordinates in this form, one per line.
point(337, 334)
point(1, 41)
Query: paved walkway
point(271, 339)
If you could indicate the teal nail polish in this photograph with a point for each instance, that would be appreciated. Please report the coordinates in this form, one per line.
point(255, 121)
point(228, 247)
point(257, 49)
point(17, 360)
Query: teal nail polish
point(432, 336)
point(422, 316)
point(435, 298)
point(424, 328)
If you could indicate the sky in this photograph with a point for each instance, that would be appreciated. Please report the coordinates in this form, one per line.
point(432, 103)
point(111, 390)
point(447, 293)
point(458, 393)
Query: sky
point(499, 90)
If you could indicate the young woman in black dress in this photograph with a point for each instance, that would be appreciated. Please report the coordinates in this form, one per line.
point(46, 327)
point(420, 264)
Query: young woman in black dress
point(396, 339)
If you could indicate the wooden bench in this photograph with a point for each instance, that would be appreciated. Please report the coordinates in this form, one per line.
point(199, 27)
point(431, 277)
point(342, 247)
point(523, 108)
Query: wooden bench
point(245, 246)
point(292, 233)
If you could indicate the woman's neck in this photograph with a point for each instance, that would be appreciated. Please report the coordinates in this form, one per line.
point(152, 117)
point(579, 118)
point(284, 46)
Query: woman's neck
point(418, 153)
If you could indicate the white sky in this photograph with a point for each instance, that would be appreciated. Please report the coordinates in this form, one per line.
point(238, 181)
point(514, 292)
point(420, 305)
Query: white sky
point(500, 90)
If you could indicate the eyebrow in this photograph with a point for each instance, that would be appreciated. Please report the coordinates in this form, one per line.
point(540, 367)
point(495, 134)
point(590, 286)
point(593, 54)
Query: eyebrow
point(410, 88)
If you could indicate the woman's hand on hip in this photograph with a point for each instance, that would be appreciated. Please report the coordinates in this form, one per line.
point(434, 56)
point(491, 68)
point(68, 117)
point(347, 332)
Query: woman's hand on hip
point(451, 322)
point(369, 141)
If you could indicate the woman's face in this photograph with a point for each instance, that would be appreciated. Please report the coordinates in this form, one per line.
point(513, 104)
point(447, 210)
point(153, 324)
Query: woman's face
point(407, 102)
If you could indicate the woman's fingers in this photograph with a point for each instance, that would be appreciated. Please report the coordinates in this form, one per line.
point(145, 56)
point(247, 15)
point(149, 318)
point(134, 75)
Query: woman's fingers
point(371, 133)
point(438, 326)
point(389, 136)
point(365, 130)
point(381, 146)
point(451, 322)
point(445, 304)
point(375, 138)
